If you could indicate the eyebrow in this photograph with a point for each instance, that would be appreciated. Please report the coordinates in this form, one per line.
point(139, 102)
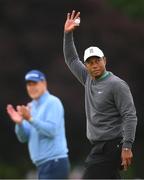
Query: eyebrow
point(97, 59)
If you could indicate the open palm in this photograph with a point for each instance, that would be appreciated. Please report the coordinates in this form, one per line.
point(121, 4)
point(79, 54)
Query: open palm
point(70, 24)
point(14, 115)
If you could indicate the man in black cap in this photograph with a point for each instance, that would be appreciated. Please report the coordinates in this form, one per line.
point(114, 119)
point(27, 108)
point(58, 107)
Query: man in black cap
point(41, 125)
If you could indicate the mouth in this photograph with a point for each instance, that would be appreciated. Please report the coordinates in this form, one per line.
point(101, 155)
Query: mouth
point(95, 71)
point(33, 92)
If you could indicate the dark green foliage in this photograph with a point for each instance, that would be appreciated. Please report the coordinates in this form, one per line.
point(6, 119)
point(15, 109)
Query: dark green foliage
point(132, 8)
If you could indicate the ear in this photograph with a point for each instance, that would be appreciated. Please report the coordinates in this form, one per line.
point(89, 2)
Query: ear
point(105, 60)
point(46, 85)
point(85, 63)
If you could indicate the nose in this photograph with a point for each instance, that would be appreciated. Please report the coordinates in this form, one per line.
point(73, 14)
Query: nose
point(95, 64)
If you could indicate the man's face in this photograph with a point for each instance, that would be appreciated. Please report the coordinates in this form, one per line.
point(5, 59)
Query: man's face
point(36, 89)
point(95, 66)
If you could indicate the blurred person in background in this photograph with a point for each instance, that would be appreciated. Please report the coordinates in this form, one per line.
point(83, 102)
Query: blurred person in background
point(110, 111)
point(41, 125)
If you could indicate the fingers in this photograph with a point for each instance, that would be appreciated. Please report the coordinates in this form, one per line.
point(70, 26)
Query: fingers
point(125, 165)
point(18, 108)
point(9, 106)
point(77, 16)
point(73, 15)
point(129, 162)
point(126, 158)
point(24, 110)
point(68, 16)
point(71, 22)
point(10, 109)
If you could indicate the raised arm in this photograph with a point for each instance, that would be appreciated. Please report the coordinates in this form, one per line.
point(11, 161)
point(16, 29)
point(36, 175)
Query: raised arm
point(70, 52)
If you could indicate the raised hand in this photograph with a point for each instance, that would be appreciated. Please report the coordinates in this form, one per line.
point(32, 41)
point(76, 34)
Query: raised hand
point(70, 23)
point(14, 115)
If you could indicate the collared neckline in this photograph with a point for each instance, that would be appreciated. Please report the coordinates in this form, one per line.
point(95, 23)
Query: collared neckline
point(105, 74)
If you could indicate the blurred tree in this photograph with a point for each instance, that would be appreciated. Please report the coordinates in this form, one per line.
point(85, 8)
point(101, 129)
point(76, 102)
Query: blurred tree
point(132, 8)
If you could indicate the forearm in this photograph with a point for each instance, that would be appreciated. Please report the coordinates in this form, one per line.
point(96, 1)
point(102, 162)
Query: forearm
point(126, 107)
point(44, 128)
point(70, 52)
point(130, 124)
point(129, 133)
point(129, 120)
point(72, 58)
point(21, 133)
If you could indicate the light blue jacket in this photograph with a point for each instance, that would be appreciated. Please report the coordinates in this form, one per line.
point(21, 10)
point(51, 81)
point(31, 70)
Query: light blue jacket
point(45, 133)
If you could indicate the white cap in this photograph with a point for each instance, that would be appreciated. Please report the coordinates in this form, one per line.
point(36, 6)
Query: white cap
point(93, 51)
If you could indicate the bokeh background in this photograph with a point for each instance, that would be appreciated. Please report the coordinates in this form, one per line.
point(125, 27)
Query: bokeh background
point(31, 37)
